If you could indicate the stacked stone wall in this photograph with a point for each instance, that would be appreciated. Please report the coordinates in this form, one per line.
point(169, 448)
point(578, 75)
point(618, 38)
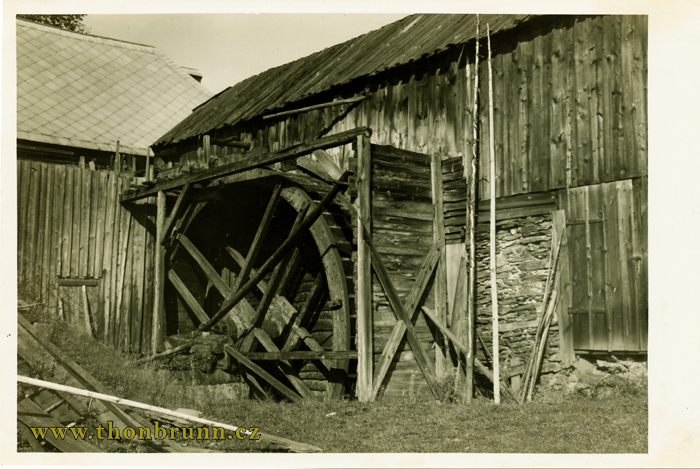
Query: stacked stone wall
point(523, 248)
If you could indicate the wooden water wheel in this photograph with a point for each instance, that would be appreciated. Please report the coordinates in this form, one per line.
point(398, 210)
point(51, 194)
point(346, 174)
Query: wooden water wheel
point(295, 324)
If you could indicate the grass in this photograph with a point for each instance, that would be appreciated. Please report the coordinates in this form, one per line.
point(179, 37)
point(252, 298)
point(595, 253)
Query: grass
point(616, 423)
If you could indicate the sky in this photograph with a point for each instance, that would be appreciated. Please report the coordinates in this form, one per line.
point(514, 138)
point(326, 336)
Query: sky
point(227, 48)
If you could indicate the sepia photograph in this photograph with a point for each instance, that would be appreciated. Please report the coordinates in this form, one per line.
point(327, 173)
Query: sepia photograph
point(388, 234)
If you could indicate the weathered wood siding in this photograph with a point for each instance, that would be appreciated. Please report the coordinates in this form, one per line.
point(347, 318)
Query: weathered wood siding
point(607, 300)
point(71, 226)
point(570, 105)
point(402, 229)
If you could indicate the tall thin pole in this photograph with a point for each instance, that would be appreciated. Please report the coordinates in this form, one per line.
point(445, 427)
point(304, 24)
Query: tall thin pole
point(472, 228)
point(492, 255)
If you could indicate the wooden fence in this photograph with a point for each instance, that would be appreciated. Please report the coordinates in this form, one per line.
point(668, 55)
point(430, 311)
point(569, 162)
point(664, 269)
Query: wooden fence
point(79, 250)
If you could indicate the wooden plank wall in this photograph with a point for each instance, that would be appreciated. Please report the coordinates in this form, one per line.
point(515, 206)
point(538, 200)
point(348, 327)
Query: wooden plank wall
point(71, 226)
point(608, 265)
point(570, 105)
point(402, 229)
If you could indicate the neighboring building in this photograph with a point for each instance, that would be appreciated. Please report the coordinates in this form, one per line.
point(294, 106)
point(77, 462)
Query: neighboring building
point(570, 112)
point(77, 94)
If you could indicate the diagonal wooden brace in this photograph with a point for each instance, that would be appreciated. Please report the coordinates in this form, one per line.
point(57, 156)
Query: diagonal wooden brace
point(411, 307)
point(418, 351)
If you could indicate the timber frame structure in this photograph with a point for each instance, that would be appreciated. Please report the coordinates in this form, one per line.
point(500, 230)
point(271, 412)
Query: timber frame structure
point(326, 224)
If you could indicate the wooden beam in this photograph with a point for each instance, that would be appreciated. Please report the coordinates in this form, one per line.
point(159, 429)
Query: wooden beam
point(276, 257)
point(311, 298)
point(260, 234)
point(173, 214)
point(303, 355)
point(182, 224)
point(463, 348)
point(328, 164)
point(230, 142)
point(101, 396)
point(78, 282)
point(364, 272)
point(418, 351)
point(274, 382)
point(187, 296)
point(250, 163)
point(202, 261)
point(315, 106)
point(411, 306)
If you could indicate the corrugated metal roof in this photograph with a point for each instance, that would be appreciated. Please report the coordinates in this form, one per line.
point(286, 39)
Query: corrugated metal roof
point(402, 42)
point(88, 92)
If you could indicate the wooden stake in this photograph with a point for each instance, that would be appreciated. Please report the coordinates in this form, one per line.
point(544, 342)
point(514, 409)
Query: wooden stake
point(148, 164)
point(542, 344)
point(492, 184)
point(275, 440)
point(471, 317)
point(86, 308)
point(364, 273)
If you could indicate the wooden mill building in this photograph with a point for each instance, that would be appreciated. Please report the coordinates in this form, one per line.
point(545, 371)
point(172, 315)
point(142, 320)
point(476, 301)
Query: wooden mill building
point(312, 212)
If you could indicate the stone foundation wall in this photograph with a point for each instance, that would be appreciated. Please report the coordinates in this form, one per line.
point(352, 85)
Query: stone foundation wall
point(523, 249)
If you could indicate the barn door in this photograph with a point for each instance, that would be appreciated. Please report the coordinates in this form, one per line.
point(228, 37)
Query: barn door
point(607, 243)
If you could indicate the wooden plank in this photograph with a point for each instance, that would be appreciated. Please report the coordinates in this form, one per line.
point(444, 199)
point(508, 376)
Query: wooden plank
point(174, 213)
point(125, 290)
point(32, 223)
point(47, 232)
point(108, 261)
point(440, 285)
point(56, 234)
point(363, 295)
point(77, 222)
point(188, 297)
point(85, 221)
point(521, 180)
point(250, 163)
point(302, 355)
point(22, 209)
point(640, 252)
point(100, 214)
point(209, 271)
point(627, 264)
point(288, 393)
point(613, 282)
point(77, 282)
point(558, 116)
point(597, 272)
point(149, 258)
point(260, 234)
point(138, 276)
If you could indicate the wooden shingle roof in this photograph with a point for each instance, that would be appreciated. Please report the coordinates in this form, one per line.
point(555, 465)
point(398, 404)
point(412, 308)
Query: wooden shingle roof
point(86, 91)
point(402, 42)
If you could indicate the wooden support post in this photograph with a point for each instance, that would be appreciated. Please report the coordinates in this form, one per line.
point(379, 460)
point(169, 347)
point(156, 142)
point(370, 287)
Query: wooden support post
point(471, 227)
point(173, 214)
point(492, 242)
point(148, 164)
point(441, 274)
point(364, 272)
point(158, 323)
point(259, 237)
